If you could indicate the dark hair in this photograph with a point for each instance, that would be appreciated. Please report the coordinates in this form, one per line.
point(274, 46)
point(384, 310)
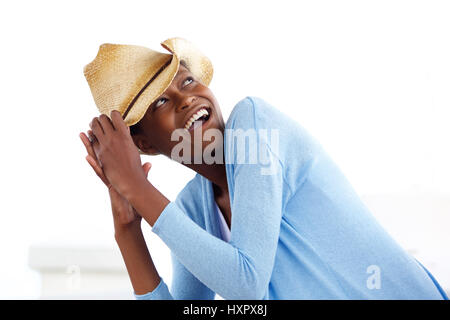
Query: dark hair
point(184, 64)
point(135, 129)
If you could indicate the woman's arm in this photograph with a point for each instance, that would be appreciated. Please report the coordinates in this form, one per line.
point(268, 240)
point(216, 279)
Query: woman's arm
point(147, 283)
point(141, 270)
point(127, 225)
point(241, 268)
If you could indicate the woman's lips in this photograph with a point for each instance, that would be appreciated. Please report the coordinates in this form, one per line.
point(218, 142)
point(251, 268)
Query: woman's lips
point(203, 122)
point(196, 123)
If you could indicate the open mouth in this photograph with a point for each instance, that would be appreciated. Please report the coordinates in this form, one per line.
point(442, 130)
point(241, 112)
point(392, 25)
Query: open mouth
point(198, 119)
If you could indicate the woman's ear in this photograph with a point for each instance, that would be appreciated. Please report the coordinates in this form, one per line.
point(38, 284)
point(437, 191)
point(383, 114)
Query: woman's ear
point(141, 142)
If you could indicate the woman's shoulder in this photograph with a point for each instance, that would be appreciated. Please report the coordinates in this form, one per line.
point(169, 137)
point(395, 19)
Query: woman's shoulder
point(254, 112)
point(286, 138)
point(250, 112)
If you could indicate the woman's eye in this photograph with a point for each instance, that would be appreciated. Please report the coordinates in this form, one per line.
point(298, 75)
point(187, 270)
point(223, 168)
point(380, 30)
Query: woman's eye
point(159, 103)
point(188, 79)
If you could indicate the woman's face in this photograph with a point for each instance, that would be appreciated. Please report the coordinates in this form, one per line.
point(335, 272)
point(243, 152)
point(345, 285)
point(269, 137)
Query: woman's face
point(172, 110)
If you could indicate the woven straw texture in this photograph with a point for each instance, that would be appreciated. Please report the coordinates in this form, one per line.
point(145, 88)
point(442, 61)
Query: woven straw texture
point(126, 78)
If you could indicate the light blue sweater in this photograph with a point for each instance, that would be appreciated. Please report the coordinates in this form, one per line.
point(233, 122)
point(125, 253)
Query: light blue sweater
point(300, 232)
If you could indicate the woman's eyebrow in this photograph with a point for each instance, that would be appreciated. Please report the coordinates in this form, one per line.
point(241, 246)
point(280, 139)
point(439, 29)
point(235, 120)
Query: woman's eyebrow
point(183, 72)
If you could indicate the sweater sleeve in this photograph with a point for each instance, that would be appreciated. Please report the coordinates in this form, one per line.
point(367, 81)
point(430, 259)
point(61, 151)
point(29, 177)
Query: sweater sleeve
point(242, 267)
point(161, 292)
point(184, 286)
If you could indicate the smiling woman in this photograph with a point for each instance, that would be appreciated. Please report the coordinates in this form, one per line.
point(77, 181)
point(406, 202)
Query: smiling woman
point(183, 102)
point(186, 78)
point(298, 230)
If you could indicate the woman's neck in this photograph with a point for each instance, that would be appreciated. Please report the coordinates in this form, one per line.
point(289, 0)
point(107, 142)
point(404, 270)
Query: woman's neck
point(216, 173)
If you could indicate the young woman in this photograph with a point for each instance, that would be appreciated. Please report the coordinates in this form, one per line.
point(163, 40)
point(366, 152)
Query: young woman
point(286, 226)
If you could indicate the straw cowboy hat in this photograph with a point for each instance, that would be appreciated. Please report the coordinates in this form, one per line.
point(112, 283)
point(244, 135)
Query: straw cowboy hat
point(129, 78)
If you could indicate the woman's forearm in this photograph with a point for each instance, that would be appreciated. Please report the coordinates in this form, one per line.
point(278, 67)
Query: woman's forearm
point(141, 270)
point(147, 200)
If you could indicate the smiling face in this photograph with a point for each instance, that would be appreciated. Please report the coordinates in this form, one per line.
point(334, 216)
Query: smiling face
point(174, 109)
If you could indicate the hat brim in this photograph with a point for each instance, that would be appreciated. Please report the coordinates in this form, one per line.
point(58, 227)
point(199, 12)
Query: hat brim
point(198, 64)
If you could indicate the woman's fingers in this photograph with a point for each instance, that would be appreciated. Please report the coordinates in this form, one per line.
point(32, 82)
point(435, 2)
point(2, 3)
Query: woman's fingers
point(92, 159)
point(146, 166)
point(87, 143)
point(106, 123)
point(97, 170)
point(97, 129)
point(116, 119)
point(92, 137)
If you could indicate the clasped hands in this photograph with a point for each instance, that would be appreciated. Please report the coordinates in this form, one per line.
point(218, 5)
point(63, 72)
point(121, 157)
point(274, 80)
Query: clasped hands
point(116, 153)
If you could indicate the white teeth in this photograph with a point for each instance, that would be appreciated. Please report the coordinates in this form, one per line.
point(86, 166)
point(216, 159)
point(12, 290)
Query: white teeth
point(195, 116)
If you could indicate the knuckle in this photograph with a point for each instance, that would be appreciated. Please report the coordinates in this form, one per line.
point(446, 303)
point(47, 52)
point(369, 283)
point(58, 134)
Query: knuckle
point(105, 118)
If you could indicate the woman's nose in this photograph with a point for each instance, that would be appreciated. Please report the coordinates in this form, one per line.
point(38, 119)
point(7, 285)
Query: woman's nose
point(186, 102)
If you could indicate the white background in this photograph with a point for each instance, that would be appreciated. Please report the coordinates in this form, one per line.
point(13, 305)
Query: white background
point(369, 79)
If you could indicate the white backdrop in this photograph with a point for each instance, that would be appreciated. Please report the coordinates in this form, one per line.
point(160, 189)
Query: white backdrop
point(369, 79)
